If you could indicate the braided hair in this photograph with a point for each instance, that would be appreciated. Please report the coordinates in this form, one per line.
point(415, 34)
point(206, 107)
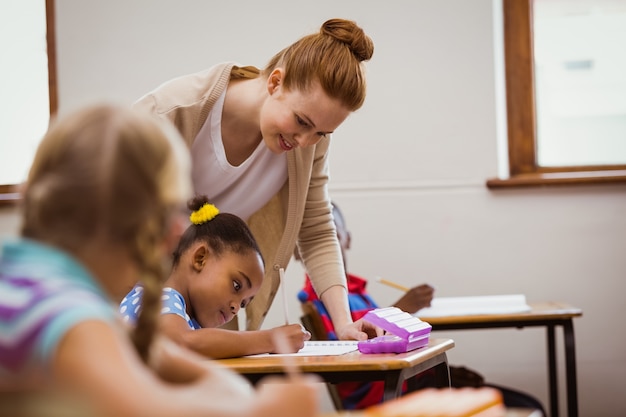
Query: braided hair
point(110, 175)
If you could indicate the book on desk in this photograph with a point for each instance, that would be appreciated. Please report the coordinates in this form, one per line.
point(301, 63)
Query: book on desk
point(474, 305)
point(431, 402)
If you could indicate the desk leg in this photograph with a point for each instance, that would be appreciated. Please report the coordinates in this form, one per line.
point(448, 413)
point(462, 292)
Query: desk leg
point(395, 379)
point(393, 385)
point(442, 375)
point(570, 369)
point(552, 376)
point(438, 377)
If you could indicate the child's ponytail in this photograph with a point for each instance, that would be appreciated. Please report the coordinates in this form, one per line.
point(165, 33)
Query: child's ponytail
point(152, 278)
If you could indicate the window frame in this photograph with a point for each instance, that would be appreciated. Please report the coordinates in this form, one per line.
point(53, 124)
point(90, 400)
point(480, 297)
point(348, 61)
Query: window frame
point(10, 193)
point(520, 101)
point(521, 119)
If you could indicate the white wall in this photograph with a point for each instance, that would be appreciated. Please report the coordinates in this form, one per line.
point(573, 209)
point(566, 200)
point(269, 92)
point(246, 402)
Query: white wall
point(408, 169)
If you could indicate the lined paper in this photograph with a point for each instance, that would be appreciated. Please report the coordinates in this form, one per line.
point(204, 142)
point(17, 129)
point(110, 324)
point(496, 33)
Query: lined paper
point(320, 348)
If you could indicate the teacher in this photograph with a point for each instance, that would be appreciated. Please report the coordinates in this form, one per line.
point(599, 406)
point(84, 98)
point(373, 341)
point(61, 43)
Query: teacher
point(259, 141)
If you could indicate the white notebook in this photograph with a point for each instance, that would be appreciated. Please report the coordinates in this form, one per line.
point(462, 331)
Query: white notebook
point(484, 304)
point(320, 348)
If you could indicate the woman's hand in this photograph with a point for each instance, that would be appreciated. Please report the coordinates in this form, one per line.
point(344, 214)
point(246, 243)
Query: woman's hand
point(359, 330)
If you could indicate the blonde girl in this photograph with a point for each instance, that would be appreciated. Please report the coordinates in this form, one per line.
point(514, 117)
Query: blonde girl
point(98, 213)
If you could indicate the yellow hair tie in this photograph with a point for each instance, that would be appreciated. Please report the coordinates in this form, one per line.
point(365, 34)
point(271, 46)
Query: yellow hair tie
point(204, 214)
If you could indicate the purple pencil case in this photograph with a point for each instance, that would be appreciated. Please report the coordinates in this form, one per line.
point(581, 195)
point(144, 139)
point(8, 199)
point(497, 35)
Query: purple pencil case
point(405, 332)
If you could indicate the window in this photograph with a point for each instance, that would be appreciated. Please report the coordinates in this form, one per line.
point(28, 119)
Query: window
point(28, 87)
point(532, 158)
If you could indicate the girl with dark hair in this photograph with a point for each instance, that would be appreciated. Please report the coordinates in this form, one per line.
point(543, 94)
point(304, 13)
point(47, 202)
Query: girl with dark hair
point(217, 270)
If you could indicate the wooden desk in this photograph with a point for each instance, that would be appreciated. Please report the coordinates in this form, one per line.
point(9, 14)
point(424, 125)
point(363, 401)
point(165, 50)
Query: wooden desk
point(548, 314)
point(394, 369)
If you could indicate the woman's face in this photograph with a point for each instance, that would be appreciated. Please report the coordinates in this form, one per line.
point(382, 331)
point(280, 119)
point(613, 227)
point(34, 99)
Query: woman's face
point(225, 284)
point(297, 118)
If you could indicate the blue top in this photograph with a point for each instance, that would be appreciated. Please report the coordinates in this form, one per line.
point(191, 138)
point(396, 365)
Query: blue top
point(44, 292)
point(173, 303)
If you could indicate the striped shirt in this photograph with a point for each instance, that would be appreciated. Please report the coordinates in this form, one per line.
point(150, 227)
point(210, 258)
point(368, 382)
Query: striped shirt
point(43, 293)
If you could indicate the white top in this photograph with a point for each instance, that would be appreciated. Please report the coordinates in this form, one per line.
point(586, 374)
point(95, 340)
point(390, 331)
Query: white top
point(243, 189)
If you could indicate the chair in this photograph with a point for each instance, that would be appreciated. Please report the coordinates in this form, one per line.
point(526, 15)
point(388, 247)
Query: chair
point(312, 321)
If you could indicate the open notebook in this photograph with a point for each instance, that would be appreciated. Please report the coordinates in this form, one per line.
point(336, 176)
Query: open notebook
point(475, 305)
point(320, 348)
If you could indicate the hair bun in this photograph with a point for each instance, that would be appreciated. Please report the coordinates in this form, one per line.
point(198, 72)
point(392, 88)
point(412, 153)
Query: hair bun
point(348, 32)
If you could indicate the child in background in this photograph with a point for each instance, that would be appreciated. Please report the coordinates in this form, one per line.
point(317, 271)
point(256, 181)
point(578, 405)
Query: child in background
point(217, 269)
point(360, 395)
point(98, 212)
point(359, 300)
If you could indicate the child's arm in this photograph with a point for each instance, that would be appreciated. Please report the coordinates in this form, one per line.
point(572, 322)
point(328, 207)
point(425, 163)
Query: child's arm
point(416, 298)
point(221, 343)
point(277, 396)
point(96, 362)
point(176, 364)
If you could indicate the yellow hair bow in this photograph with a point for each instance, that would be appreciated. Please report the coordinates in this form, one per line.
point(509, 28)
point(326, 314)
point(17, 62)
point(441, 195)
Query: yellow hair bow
point(204, 214)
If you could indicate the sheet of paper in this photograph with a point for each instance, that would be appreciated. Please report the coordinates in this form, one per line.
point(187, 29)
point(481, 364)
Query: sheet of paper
point(475, 305)
point(321, 348)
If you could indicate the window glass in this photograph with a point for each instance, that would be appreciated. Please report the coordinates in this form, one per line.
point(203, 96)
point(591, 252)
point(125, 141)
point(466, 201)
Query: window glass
point(24, 94)
point(580, 82)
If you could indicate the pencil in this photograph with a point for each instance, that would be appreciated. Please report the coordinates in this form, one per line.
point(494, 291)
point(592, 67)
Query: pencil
point(392, 284)
point(283, 284)
point(288, 361)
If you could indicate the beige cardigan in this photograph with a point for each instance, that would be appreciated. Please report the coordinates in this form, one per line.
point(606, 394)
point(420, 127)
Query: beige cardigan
point(299, 212)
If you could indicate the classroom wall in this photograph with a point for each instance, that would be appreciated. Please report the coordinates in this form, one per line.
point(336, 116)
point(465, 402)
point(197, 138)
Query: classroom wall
point(408, 169)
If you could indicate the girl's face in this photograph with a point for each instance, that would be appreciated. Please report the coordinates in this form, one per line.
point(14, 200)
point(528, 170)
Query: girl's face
point(223, 286)
point(297, 118)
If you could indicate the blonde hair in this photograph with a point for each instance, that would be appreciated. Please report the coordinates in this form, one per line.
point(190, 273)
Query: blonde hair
point(334, 57)
point(105, 173)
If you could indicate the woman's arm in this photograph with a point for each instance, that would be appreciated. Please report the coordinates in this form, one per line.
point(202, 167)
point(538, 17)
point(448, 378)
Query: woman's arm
point(318, 245)
point(335, 300)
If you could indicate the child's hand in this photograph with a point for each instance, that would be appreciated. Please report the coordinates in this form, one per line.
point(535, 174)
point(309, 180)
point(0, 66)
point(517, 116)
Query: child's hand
point(294, 336)
point(416, 298)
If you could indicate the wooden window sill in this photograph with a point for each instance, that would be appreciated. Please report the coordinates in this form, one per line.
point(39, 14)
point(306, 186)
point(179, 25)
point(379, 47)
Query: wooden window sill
point(9, 195)
point(537, 179)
